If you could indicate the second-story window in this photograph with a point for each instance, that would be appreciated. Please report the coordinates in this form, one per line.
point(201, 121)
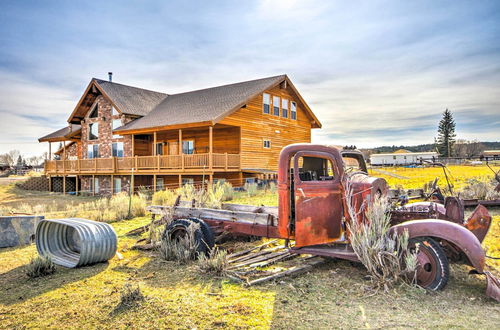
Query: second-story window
point(93, 131)
point(116, 123)
point(94, 113)
point(117, 149)
point(93, 151)
point(159, 148)
point(284, 108)
point(293, 112)
point(267, 144)
point(267, 103)
point(188, 147)
point(276, 105)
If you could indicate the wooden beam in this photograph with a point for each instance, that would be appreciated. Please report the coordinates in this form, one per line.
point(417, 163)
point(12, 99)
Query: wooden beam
point(154, 143)
point(180, 180)
point(210, 149)
point(133, 146)
point(50, 183)
point(50, 150)
point(64, 184)
point(154, 183)
point(93, 185)
point(76, 185)
point(112, 185)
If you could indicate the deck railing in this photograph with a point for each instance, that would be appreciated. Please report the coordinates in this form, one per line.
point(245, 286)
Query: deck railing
point(148, 164)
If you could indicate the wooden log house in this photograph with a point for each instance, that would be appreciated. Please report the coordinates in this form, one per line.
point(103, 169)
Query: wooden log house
point(119, 135)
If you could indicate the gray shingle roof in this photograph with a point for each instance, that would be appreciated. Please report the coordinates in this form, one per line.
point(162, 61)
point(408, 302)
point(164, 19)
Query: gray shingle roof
point(209, 104)
point(61, 133)
point(131, 100)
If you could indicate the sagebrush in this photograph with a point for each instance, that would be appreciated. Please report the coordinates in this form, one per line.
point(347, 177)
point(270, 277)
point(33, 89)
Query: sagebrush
point(40, 266)
point(215, 263)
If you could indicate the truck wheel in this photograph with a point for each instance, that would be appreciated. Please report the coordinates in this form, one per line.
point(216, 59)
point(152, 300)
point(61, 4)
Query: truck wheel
point(433, 270)
point(208, 235)
point(179, 229)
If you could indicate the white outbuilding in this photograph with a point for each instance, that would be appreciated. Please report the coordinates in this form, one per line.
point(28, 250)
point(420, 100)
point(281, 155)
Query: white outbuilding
point(401, 158)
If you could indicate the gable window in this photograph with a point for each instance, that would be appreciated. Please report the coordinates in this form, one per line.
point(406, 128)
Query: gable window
point(94, 112)
point(113, 111)
point(93, 151)
point(116, 123)
point(93, 131)
point(276, 105)
point(293, 112)
point(117, 148)
point(117, 185)
point(159, 148)
point(284, 108)
point(267, 103)
point(267, 144)
point(188, 147)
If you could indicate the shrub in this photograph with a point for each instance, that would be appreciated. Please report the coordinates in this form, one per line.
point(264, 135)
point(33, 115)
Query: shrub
point(251, 189)
point(182, 249)
point(386, 256)
point(164, 197)
point(130, 295)
point(40, 266)
point(478, 188)
point(215, 263)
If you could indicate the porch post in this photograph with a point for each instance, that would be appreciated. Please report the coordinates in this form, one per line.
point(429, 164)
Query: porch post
point(154, 183)
point(76, 185)
point(154, 143)
point(50, 150)
point(210, 148)
point(50, 183)
point(64, 184)
point(93, 185)
point(180, 180)
point(180, 150)
point(64, 150)
point(112, 184)
point(133, 145)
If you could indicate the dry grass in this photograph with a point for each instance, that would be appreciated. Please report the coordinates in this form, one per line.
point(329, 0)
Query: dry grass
point(215, 263)
point(39, 267)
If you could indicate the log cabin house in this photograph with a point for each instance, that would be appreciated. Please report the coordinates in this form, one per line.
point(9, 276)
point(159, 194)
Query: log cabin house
point(119, 135)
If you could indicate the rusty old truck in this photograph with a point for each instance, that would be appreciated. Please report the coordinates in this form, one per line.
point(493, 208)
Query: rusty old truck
point(312, 212)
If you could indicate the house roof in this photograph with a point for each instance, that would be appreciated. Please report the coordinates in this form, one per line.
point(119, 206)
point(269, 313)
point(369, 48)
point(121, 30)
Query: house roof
point(405, 154)
point(61, 134)
point(130, 100)
point(208, 105)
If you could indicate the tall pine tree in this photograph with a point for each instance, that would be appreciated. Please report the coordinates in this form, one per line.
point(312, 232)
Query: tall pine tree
point(446, 134)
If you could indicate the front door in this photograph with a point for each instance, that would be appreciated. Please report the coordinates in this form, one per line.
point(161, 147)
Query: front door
point(173, 147)
point(318, 199)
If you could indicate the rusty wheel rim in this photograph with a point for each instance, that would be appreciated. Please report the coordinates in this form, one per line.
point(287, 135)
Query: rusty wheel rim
point(427, 267)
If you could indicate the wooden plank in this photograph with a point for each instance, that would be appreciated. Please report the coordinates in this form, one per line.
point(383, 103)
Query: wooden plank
point(237, 254)
point(292, 271)
point(259, 259)
point(256, 254)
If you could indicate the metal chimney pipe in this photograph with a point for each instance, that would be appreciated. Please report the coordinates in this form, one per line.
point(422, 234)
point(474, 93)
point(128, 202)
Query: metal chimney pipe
point(110, 74)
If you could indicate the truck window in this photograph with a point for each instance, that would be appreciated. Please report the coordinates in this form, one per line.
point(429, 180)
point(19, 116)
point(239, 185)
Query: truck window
point(315, 169)
point(351, 164)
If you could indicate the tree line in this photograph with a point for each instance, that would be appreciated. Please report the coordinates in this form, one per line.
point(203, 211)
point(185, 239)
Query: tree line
point(15, 158)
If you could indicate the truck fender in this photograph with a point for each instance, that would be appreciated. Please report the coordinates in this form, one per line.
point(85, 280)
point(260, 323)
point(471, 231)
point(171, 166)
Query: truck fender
point(458, 235)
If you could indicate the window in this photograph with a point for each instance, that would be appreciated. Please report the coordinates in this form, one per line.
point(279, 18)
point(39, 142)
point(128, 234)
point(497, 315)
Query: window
point(393, 157)
point(284, 108)
point(93, 151)
point(267, 103)
point(113, 111)
point(267, 144)
point(116, 123)
point(160, 184)
point(93, 131)
point(117, 185)
point(94, 112)
point(186, 181)
point(315, 169)
point(293, 113)
point(159, 148)
point(188, 147)
point(276, 105)
point(117, 148)
point(96, 185)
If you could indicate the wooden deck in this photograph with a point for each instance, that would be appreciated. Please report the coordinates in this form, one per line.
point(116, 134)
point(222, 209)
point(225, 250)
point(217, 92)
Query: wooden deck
point(171, 164)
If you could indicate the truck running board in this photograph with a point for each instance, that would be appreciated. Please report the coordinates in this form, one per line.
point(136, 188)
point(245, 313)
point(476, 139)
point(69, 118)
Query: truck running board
point(333, 251)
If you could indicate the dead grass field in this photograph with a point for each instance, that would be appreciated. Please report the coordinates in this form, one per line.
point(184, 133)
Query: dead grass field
point(332, 296)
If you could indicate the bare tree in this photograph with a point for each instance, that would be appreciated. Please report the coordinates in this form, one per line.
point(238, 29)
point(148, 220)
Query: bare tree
point(10, 158)
point(468, 149)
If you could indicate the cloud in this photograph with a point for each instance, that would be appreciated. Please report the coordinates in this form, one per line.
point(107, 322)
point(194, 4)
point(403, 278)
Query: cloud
point(375, 73)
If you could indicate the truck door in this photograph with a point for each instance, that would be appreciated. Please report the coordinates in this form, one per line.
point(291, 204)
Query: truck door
point(318, 199)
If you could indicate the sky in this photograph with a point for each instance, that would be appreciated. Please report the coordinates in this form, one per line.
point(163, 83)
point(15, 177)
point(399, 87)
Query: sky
point(374, 72)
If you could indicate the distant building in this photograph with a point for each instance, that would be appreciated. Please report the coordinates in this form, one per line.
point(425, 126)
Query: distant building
point(490, 155)
point(401, 157)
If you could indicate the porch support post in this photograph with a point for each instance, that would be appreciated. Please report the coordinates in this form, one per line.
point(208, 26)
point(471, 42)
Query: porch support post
point(154, 143)
point(112, 184)
point(93, 185)
point(180, 149)
point(210, 149)
point(64, 150)
point(50, 183)
point(240, 177)
point(64, 184)
point(76, 185)
point(50, 150)
point(211, 178)
point(154, 183)
point(133, 145)
point(180, 180)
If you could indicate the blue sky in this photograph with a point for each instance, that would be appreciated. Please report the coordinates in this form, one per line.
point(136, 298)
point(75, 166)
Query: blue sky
point(374, 72)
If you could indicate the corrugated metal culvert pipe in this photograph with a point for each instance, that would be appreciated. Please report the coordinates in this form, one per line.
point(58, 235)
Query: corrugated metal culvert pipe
point(73, 242)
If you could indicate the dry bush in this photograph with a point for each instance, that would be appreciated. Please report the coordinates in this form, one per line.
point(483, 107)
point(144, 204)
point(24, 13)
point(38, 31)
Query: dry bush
point(40, 266)
point(251, 189)
point(183, 249)
point(479, 188)
point(130, 295)
point(272, 187)
point(164, 197)
point(215, 263)
point(386, 256)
